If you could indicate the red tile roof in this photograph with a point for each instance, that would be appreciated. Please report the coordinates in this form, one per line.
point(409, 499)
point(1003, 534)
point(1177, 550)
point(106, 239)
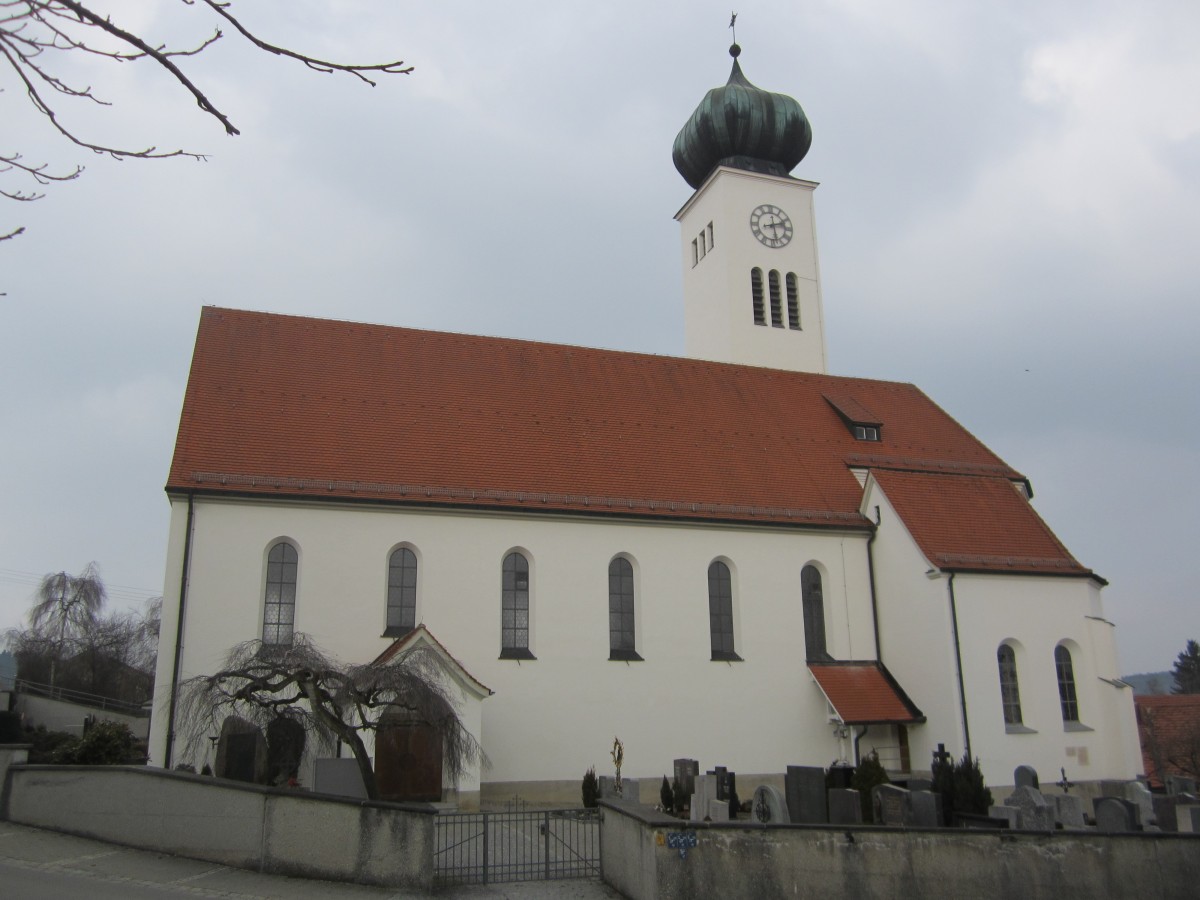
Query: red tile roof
point(1169, 729)
point(864, 693)
point(314, 408)
point(973, 522)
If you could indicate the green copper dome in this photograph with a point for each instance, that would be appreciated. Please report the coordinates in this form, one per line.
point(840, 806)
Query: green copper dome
point(744, 127)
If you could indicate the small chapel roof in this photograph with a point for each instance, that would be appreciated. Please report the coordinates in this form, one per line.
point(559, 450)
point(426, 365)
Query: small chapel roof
point(316, 409)
point(864, 693)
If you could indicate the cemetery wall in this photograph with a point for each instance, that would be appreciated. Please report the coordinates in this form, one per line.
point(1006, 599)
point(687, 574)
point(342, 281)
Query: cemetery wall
point(755, 861)
point(246, 826)
point(61, 715)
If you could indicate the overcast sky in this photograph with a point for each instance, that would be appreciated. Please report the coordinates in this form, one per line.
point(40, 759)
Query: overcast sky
point(1008, 217)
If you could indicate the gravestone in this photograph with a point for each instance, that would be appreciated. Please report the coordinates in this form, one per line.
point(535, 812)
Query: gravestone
point(718, 810)
point(840, 775)
point(926, 809)
point(1137, 793)
point(1164, 810)
point(1026, 776)
point(1010, 814)
point(608, 788)
point(1112, 788)
point(1115, 814)
point(706, 792)
point(1068, 811)
point(804, 787)
point(919, 784)
point(1037, 813)
point(1178, 784)
point(722, 778)
point(769, 806)
point(890, 805)
point(686, 771)
point(241, 752)
point(340, 777)
point(845, 807)
point(1187, 818)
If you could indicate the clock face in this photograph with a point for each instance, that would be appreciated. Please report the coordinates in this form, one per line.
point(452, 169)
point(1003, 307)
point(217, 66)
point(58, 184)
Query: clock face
point(771, 225)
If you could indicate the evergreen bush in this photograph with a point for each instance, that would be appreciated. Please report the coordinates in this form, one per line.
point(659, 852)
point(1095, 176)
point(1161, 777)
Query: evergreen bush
point(591, 788)
point(869, 773)
point(667, 796)
point(961, 786)
point(105, 744)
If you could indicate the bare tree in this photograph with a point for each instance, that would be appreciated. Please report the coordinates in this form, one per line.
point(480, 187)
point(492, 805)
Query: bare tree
point(35, 33)
point(65, 609)
point(330, 700)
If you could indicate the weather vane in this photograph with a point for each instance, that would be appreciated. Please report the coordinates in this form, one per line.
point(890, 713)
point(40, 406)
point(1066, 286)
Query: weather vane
point(733, 25)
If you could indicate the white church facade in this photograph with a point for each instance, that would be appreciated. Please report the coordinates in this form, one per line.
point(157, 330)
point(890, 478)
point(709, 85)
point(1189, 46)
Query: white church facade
point(732, 556)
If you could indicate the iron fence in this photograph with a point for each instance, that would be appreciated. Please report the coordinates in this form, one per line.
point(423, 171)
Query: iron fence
point(491, 847)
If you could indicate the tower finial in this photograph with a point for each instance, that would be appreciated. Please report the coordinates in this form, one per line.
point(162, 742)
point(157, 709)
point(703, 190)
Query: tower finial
point(734, 49)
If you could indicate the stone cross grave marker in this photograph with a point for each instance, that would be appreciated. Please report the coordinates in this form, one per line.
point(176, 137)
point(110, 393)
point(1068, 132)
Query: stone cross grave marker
point(768, 806)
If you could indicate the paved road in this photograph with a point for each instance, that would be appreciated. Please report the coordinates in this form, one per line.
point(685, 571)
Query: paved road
point(45, 865)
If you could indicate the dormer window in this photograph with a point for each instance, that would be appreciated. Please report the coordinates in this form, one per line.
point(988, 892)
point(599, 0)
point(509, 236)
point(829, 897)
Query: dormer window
point(866, 433)
point(863, 424)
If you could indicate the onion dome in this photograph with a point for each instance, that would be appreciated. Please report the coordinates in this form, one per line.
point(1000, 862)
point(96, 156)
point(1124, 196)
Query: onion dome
point(743, 127)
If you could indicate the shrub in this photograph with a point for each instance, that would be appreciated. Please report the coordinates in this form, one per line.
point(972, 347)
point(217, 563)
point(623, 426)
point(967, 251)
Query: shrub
point(45, 744)
point(961, 786)
point(105, 744)
point(869, 773)
point(677, 793)
point(591, 788)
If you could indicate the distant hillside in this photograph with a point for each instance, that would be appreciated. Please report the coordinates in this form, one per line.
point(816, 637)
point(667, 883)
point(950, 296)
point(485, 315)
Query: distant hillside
point(1151, 682)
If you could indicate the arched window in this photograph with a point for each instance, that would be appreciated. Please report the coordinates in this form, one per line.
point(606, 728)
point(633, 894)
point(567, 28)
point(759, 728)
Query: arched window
point(1066, 684)
point(776, 299)
point(813, 601)
point(401, 593)
point(621, 644)
point(1010, 692)
point(514, 606)
point(279, 595)
point(793, 302)
point(756, 295)
point(720, 612)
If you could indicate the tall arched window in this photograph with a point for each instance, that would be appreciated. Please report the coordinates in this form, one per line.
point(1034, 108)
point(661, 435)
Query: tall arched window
point(720, 612)
point(756, 296)
point(279, 595)
point(1010, 692)
point(621, 643)
point(776, 299)
point(1066, 684)
point(793, 301)
point(813, 601)
point(401, 593)
point(514, 606)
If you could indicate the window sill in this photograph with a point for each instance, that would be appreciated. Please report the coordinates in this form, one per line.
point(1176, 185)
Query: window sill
point(516, 653)
point(720, 656)
point(1076, 726)
point(624, 656)
point(1019, 729)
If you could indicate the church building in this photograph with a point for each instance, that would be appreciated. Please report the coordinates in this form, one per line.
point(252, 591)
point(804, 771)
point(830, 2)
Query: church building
point(731, 556)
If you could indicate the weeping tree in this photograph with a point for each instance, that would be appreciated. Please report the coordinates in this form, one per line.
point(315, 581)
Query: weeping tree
point(330, 700)
point(65, 609)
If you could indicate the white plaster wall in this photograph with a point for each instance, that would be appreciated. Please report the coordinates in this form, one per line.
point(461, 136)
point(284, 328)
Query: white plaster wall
point(718, 319)
point(1034, 613)
point(553, 717)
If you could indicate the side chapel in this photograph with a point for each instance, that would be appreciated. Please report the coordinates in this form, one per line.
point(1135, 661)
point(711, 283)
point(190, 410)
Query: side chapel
point(732, 556)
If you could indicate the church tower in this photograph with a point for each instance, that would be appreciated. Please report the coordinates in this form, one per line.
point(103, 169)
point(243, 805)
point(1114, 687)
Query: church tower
point(751, 282)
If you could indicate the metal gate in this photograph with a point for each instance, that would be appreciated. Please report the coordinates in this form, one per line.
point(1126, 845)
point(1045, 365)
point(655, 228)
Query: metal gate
point(483, 848)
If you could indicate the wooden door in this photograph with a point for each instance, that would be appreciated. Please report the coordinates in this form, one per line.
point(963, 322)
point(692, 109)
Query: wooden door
point(408, 762)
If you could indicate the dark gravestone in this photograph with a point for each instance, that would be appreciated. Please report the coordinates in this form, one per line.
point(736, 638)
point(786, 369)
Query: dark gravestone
point(890, 805)
point(686, 771)
point(1026, 776)
point(804, 788)
point(1164, 810)
point(241, 752)
point(845, 807)
point(1116, 814)
point(926, 809)
point(1068, 812)
point(722, 776)
point(1187, 818)
point(839, 776)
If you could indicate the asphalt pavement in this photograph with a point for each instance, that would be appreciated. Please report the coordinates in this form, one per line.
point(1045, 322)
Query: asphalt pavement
point(44, 865)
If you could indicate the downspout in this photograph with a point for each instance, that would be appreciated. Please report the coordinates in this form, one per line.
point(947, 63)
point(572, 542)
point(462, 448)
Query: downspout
point(183, 587)
point(874, 602)
point(858, 737)
point(962, 691)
